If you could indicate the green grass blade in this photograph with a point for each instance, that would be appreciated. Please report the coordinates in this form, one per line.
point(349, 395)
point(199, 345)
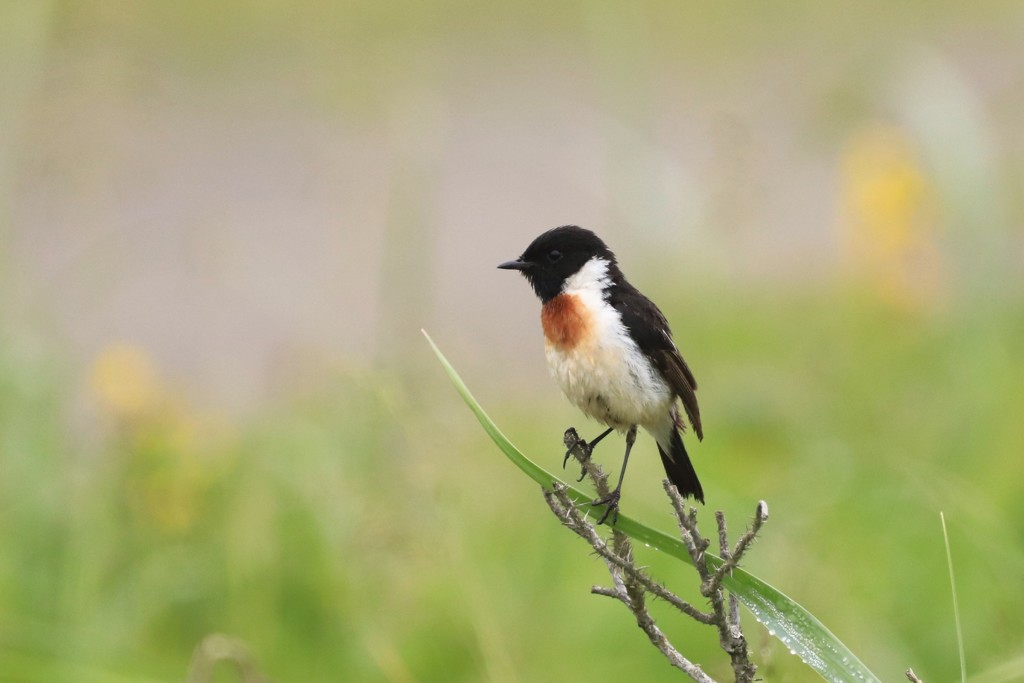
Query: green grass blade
point(796, 628)
point(956, 603)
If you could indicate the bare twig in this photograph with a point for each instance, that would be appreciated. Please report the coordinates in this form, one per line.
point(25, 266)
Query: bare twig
point(732, 559)
point(730, 633)
point(607, 592)
point(723, 549)
point(631, 584)
point(580, 450)
point(569, 514)
point(912, 677)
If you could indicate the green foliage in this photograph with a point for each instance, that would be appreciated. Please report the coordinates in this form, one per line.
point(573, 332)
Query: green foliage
point(956, 603)
point(358, 529)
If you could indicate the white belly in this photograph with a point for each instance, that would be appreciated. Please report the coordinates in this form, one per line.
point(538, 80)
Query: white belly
point(609, 379)
point(596, 363)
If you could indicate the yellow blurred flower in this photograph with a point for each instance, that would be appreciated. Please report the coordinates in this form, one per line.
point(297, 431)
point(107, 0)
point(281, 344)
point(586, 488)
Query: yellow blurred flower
point(125, 381)
point(171, 456)
point(888, 215)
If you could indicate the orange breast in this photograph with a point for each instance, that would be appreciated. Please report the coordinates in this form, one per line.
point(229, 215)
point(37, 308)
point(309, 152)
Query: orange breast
point(565, 320)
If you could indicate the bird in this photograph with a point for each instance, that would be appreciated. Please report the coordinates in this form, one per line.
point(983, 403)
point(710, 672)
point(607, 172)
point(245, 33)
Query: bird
point(611, 351)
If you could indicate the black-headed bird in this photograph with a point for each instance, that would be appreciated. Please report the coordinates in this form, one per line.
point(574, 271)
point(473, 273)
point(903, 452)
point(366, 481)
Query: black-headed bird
point(611, 350)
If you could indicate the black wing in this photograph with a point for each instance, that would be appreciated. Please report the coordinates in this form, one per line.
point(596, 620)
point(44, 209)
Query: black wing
point(650, 329)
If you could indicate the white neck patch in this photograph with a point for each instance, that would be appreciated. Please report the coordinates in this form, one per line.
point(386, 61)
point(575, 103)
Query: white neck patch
point(591, 277)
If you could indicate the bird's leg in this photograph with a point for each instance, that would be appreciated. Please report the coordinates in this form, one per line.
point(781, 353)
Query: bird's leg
point(573, 441)
point(589, 449)
point(600, 436)
point(576, 446)
point(612, 499)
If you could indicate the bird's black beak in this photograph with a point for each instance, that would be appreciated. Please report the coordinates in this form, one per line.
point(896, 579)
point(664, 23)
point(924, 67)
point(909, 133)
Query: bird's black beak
point(518, 264)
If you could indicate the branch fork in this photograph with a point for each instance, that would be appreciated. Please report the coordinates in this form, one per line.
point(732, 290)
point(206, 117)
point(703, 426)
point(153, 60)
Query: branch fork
point(631, 584)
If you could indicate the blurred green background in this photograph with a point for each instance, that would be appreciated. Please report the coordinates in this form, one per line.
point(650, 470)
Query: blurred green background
point(222, 226)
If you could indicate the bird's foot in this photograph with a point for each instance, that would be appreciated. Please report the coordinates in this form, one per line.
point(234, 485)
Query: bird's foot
point(612, 503)
point(575, 446)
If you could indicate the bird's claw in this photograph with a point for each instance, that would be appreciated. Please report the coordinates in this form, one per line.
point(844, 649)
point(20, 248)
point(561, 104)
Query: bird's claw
point(612, 503)
point(575, 446)
point(568, 454)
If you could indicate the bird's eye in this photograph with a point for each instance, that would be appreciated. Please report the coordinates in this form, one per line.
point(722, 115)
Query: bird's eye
point(554, 256)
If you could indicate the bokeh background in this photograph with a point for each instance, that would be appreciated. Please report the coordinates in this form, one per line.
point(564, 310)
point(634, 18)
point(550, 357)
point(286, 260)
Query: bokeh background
point(222, 226)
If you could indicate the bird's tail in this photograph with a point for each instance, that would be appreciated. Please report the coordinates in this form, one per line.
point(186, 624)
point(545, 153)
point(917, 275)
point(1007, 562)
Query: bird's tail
point(678, 466)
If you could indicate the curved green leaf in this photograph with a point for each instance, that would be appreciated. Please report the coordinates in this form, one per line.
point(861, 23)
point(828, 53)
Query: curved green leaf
point(794, 626)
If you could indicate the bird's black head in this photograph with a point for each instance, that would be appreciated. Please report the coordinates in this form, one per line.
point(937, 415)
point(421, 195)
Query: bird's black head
point(557, 255)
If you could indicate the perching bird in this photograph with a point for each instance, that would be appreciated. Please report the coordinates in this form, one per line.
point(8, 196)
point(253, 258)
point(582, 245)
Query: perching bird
point(610, 349)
